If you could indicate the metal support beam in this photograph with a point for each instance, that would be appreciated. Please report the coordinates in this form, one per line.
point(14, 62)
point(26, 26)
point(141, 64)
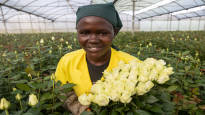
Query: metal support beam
point(190, 24)
point(151, 24)
point(133, 16)
point(178, 25)
point(25, 11)
point(170, 25)
point(91, 1)
point(19, 23)
point(2, 13)
point(31, 23)
point(71, 6)
point(172, 12)
point(5, 1)
point(199, 23)
point(191, 17)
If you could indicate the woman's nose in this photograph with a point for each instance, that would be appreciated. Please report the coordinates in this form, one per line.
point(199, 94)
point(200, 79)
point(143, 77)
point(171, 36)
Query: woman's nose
point(93, 38)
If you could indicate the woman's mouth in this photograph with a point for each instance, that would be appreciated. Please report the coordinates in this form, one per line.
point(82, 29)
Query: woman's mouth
point(94, 49)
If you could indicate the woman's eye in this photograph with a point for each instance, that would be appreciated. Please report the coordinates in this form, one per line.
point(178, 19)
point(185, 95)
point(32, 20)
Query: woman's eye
point(84, 33)
point(103, 33)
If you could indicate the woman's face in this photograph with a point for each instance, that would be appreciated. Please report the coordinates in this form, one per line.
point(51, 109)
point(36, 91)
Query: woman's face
point(95, 35)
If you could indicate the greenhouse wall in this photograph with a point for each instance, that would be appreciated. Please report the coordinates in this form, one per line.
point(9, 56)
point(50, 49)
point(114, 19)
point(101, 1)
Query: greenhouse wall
point(36, 25)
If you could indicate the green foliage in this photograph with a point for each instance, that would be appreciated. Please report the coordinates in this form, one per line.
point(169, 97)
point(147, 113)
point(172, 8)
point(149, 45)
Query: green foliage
point(26, 64)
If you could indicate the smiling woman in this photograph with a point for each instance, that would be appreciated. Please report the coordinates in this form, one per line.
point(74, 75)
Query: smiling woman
point(97, 25)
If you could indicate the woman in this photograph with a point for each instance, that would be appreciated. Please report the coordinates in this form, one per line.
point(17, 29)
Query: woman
point(97, 25)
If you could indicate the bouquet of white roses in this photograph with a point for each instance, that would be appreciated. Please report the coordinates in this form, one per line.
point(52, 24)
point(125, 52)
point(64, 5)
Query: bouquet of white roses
point(126, 80)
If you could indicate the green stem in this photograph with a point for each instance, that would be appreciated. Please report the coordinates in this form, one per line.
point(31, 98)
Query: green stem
point(20, 104)
point(6, 111)
point(53, 94)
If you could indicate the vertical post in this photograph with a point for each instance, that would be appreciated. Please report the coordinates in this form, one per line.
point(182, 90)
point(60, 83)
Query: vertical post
point(199, 23)
point(19, 23)
point(167, 22)
point(190, 25)
point(68, 29)
point(178, 25)
point(151, 25)
point(39, 25)
point(45, 26)
point(139, 24)
point(127, 24)
point(170, 22)
point(31, 23)
point(133, 16)
point(4, 20)
point(53, 26)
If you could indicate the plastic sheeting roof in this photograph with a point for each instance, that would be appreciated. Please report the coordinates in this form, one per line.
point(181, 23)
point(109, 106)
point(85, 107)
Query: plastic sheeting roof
point(170, 7)
point(62, 10)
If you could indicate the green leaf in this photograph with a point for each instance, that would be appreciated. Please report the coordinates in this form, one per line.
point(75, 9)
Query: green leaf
point(141, 112)
point(23, 87)
point(168, 107)
point(130, 113)
point(46, 96)
point(172, 88)
point(68, 85)
point(57, 105)
point(28, 113)
point(104, 112)
point(87, 113)
point(19, 81)
point(114, 113)
point(151, 99)
point(185, 53)
point(156, 109)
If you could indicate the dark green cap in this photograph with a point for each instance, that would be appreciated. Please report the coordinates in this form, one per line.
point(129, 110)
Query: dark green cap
point(106, 11)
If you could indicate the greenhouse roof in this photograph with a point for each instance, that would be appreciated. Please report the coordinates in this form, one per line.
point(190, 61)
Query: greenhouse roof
point(167, 7)
point(55, 10)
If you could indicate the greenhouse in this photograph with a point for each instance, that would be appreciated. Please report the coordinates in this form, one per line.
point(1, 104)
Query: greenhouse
point(102, 57)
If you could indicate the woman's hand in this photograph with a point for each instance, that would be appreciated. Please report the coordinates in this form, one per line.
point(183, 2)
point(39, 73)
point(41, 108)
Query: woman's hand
point(72, 104)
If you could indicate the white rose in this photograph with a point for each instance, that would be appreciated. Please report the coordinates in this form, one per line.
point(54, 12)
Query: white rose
point(125, 68)
point(61, 40)
point(169, 70)
point(115, 95)
point(159, 67)
point(143, 88)
point(124, 74)
point(126, 97)
point(161, 62)
point(85, 99)
point(162, 78)
point(53, 38)
point(18, 97)
point(101, 100)
point(133, 76)
point(107, 74)
point(153, 74)
point(130, 87)
point(143, 76)
point(32, 100)
point(4, 105)
point(41, 41)
point(98, 87)
point(150, 61)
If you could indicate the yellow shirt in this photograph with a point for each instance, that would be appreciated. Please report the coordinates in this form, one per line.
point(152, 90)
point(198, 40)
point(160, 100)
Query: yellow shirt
point(73, 68)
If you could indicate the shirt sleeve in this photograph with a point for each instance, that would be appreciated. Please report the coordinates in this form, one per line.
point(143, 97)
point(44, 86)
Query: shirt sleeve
point(60, 74)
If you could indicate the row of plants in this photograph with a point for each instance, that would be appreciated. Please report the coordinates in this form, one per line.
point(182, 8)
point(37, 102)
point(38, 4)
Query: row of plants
point(29, 60)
